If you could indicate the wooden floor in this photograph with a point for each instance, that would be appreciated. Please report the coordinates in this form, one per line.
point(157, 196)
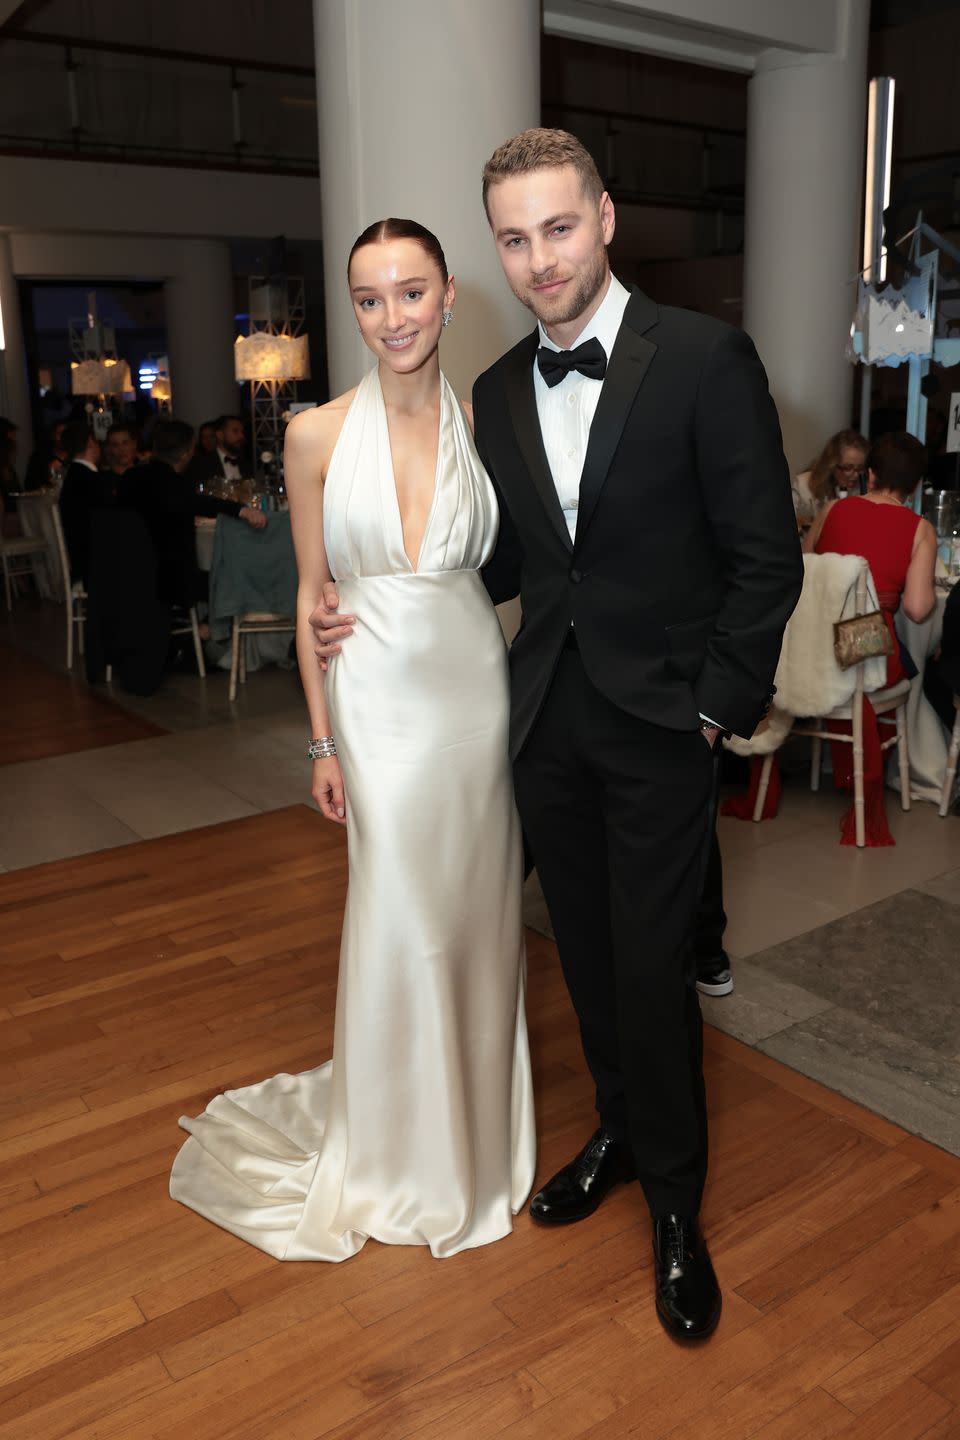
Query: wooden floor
point(45, 713)
point(137, 982)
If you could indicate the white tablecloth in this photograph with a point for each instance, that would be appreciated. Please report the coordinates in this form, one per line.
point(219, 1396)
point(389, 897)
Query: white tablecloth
point(206, 529)
point(927, 737)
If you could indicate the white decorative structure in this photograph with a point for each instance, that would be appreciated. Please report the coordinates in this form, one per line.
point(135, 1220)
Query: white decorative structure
point(892, 327)
point(96, 369)
point(100, 377)
point(267, 357)
point(272, 358)
point(892, 330)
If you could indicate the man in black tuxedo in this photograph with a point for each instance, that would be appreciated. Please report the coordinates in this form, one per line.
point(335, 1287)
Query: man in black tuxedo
point(85, 489)
point(647, 525)
point(225, 461)
point(162, 493)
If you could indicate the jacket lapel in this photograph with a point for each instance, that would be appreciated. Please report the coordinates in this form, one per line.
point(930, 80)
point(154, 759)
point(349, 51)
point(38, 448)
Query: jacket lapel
point(628, 365)
point(522, 402)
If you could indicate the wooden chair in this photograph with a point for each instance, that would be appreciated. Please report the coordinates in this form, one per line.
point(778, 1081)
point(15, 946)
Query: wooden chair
point(950, 774)
point(18, 557)
point(75, 597)
point(35, 510)
point(191, 626)
point(889, 706)
point(253, 623)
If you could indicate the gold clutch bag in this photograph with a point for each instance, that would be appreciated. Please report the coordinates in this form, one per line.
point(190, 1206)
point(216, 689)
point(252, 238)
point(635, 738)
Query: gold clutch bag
point(863, 637)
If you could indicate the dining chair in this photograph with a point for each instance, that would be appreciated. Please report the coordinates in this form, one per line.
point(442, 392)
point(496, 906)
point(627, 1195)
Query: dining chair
point(75, 597)
point(950, 774)
point(890, 707)
point(19, 555)
point(188, 623)
point(254, 622)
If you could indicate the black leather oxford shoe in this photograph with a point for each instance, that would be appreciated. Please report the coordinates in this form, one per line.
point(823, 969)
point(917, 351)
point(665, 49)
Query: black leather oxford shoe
point(577, 1189)
point(688, 1296)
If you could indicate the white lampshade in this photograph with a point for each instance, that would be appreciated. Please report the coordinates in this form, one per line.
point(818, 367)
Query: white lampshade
point(892, 331)
point(100, 377)
point(265, 356)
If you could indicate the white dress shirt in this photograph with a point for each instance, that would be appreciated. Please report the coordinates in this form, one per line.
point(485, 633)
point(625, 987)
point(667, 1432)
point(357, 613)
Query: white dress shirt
point(79, 460)
point(231, 470)
point(566, 410)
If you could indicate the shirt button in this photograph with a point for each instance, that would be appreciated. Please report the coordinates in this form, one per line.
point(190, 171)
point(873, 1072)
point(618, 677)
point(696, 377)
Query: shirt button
point(570, 454)
point(571, 399)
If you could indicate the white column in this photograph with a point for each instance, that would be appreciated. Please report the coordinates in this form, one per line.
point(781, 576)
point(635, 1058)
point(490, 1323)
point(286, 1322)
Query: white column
point(413, 98)
point(804, 187)
point(198, 298)
point(14, 391)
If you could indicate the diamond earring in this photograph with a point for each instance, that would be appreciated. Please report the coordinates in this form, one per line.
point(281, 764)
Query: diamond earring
point(447, 317)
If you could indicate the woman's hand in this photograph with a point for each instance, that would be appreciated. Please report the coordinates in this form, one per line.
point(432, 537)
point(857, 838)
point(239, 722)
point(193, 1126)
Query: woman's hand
point(327, 790)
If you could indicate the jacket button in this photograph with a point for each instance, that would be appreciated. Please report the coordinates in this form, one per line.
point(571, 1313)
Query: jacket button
point(576, 576)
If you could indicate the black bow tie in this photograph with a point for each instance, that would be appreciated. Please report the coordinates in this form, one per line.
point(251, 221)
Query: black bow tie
point(590, 359)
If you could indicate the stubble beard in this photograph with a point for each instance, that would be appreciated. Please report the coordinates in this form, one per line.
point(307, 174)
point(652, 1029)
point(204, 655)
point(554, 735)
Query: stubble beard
point(568, 305)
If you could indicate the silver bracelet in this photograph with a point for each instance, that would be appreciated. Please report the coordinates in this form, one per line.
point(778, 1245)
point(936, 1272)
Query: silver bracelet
point(324, 747)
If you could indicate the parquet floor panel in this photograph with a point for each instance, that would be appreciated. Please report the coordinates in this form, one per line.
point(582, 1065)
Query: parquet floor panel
point(136, 983)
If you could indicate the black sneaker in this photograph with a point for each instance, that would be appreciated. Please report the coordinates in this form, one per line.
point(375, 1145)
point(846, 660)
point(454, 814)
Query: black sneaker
point(715, 979)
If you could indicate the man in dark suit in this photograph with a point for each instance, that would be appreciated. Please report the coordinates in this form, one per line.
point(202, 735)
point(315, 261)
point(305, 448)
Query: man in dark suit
point(120, 450)
point(225, 460)
point(646, 522)
point(163, 494)
point(85, 489)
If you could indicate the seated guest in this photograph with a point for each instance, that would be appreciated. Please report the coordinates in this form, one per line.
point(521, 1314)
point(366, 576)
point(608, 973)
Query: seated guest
point(835, 472)
point(941, 678)
point(48, 460)
point(207, 438)
point(128, 626)
point(901, 550)
point(120, 449)
point(225, 460)
point(899, 546)
point(85, 489)
point(163, 494)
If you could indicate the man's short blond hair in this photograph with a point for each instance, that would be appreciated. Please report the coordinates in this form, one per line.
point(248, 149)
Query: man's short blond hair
point(541, 149)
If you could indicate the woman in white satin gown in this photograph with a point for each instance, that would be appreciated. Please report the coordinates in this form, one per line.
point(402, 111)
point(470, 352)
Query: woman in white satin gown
point(420, 1130)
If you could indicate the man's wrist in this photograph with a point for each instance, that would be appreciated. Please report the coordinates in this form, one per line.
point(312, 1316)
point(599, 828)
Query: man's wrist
point(712, 727)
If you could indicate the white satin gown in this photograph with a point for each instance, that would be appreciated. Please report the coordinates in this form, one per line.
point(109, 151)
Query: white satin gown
point(420, 1131)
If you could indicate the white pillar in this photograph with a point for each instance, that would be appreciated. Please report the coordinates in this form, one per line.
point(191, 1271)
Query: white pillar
point(198, 298)
point(413, 98)
point(804, 187)
point(14, 389)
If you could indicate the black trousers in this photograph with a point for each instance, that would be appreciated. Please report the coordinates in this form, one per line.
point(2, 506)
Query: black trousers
point(711, 918)
point(619, 813)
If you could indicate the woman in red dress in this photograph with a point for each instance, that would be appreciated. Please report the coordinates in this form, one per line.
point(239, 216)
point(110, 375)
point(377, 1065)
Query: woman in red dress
point(901, 550)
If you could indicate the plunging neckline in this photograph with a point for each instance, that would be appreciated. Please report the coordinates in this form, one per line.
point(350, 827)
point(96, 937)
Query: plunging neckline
point(414, 567)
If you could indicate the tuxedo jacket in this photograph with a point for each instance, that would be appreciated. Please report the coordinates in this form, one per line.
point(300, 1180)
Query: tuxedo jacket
point(686, 563)
point(205, 465)
point(83, 492)
point(168, 503)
